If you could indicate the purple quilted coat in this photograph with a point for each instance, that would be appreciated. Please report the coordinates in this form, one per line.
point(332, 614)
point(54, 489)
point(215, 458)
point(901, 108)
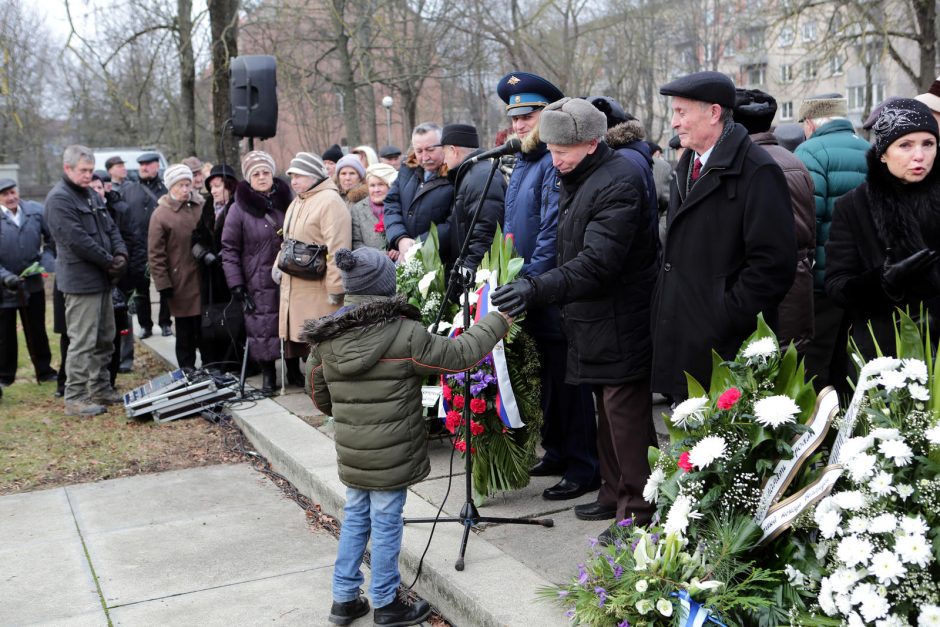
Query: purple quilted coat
point(249, 247)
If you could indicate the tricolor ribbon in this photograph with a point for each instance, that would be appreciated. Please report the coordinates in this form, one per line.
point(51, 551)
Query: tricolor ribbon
point(694, 613)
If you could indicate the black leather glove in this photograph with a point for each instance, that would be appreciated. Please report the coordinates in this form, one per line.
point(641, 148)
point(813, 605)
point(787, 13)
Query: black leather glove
point(244, 297)
point(514, 298)
point(11, 281)
point(167, 292)
point(112, 197)
point(118, 268)
point(897, 274)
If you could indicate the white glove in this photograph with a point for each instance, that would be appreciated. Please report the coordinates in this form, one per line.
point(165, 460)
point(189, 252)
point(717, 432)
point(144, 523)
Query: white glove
point(276, 274)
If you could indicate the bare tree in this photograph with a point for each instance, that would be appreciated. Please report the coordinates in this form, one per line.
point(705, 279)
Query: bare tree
point(223, 23)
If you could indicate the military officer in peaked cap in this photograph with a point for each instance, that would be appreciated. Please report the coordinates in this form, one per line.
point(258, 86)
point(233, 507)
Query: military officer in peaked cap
point(569, 434)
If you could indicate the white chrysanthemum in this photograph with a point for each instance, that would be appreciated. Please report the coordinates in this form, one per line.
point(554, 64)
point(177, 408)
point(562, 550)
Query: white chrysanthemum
point(892, 380)
point(861, 591)
point(883, 433)
point(914, 370)
point(854, 551)
point(874, 606)
point(904, 491)
point(664, 607)
point(929, 616)
point(887, 568)
point(919, 392)
point(913, 549)
point(854, 620)
point(843, 579)
point(898, 450)
point(861, 466)
point(853, 447)
point(859, 524)
point(826, 603)
point(761, 349)
point(775, 411)
point(707, 450)
point(880, 484)
point(689, 413)
point(850, 499)
point(828, 523)
point(892, 620)
point(914, 526)
point(681, 512)
point(651, 490)
point(933, 434)
point(883, 523)
point(879, 365)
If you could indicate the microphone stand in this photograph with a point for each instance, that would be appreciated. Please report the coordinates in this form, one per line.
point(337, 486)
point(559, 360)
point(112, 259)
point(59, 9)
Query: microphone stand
point(464, 277)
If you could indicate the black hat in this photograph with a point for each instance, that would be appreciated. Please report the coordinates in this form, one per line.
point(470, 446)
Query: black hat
point(899, 118)
point(675, 143)
point(754, 110)
point(103, 176)
point(460, 135)
point(611, 109)
point(710, 87)
point(873, 116)
point(95, 176)
point(148, 157)
point(221, 170)
point(654, 147)
point(524, 92)
point(334, 153)
point(6, 184)
point(390, 151)
point(113, 161)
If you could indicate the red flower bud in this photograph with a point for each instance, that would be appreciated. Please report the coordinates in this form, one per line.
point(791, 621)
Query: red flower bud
point(476, 428)
point(458, 401)
point(684, 462)
point(728, 398)
point(477, 405)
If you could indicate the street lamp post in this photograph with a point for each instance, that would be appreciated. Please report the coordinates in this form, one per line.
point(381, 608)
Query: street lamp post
point(387, 102)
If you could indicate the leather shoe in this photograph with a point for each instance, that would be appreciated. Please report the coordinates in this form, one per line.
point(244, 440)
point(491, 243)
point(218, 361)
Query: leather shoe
point(564, 490)
point(348, 611)
point(167, 331)
point(400, 613)
point(145, 333)
point(595, 511)
point(546, 469)
point(52, 375)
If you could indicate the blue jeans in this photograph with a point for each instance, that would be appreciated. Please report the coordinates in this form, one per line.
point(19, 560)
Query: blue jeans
point(380, 511)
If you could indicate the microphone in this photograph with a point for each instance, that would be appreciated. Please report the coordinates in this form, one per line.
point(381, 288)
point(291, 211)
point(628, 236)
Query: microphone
point(510, 147)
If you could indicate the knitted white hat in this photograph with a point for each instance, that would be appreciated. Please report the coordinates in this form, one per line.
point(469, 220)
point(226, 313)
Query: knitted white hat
point(176, 173)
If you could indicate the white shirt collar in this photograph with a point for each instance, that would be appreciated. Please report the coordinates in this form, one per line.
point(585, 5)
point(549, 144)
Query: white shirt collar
point(17, 217)
point(705, 155)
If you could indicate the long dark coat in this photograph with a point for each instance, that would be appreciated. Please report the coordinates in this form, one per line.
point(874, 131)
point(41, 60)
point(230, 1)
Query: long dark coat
point(249, 247)
point(606, 268)
point(22, 245)
point(730, 254)
point(169, 252)
point(208, 234)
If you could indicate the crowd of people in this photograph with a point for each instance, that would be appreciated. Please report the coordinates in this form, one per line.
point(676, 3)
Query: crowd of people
point(634, 271)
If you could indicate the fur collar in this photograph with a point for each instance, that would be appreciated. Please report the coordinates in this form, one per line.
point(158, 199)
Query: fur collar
point(624, 133)
point(376, 310)
point(167, 201)
point(356, 194)
point(257, 204)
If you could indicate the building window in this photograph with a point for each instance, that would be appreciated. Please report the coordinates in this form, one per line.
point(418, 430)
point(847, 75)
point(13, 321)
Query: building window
point(787, 36)
point(857, 96)
point(709, 56)
point(786, 73)
point(786, 110)
point(836, 64)
point(755, 39)
point(810, 70)
point(809, 31)
point(729, 50)
point(755, 74)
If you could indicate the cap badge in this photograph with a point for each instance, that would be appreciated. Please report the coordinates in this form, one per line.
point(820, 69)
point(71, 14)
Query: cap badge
point(513, 80)
point(517, 99)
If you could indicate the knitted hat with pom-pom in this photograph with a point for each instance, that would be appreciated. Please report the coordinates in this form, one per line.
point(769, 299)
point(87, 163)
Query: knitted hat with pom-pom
point(366, 271)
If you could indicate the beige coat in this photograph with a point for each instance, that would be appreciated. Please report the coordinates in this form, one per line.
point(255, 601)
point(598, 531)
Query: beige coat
point(317, 216)
point(169, 252)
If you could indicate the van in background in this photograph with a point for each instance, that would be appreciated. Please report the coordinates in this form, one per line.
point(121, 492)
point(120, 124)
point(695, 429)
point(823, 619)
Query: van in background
point(130, 159)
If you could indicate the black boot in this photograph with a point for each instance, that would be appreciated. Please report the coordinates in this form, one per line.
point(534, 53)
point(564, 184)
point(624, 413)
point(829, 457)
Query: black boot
point(348, 611)
point(268, 378)
point(400, 613)
point(294, 376)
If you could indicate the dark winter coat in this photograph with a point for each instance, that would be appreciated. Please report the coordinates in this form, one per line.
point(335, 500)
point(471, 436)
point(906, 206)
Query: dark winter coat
point(20, 247)
point(250, 244)
point(170, 253)
point(835, 158)
point(469, 181)
point(141, 198)
point(795, 314)
point(883, 213)
point(412, 204)
point(730, 254)
point(366, 366)
point(133, 234)
point(531, 214)
point(627, 139)
point(606, 267)
point(86, 238)
point(208, 234)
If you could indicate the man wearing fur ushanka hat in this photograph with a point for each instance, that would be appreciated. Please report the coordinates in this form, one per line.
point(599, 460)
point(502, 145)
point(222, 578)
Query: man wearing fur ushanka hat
point(606, 266)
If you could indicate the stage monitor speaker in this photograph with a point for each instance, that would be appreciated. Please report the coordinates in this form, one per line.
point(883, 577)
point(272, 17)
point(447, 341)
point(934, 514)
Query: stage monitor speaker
point(254, 96)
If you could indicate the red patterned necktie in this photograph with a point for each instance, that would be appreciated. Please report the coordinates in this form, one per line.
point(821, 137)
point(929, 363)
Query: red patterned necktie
point(696, 169)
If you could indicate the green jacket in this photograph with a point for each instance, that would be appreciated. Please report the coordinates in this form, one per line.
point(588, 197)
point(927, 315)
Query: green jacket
point(835, 158)
point(366, 365)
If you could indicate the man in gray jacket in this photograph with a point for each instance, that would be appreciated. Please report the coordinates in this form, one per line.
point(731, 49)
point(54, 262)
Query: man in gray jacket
point(91, 257)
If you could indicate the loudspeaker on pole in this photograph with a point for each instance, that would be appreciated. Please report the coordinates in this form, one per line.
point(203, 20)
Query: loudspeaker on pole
point(254, 96)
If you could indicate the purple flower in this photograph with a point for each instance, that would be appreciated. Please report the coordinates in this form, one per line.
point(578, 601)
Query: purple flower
point(456, 377)
point(582, 574)
point(618, 572)
point(476, 388)
point(626, 522)
point(633, 545)
point(654, 538)
point(623, 623)
point(601, 596)
point(562, 594)
point(618, 544)
point(478, 375)
point(570, 613)
point(593, 542)
point(489, 379)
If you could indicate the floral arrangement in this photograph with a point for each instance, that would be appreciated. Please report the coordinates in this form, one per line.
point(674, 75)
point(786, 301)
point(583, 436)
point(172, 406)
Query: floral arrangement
point(878, 532)
point(420, 276)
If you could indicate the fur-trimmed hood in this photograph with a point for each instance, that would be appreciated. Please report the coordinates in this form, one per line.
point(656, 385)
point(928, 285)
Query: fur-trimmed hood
point(371, 310)
point(533, 148)
point(622, 134)
point(355, 194)
point(257, 204)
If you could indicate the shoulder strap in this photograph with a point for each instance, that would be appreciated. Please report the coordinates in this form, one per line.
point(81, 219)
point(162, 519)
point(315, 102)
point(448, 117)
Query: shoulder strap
point(150, 193)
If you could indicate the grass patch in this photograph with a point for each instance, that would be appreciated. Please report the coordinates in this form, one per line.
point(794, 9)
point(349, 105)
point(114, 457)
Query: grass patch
point(41, 447)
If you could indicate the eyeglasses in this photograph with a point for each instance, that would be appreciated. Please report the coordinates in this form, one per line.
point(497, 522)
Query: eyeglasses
point(421, 151)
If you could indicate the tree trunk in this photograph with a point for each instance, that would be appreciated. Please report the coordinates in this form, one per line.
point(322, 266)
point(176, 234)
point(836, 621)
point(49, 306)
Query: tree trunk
point(347, 79)
point(187, 77)
point(926, 17)
point(223, 23)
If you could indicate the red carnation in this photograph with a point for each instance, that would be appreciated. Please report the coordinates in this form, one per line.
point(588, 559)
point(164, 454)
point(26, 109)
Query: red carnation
point(380, 226)
point(446, 392)
point(728, 398)
point(477, 405)
point(684, 462)
point(475, 427)
point(454, 420)
point(458, 401)
point(461, 446)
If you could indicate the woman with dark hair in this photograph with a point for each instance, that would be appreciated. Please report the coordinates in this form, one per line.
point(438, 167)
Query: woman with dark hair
point(251, 241)
point(222, 320)
point(883, 247)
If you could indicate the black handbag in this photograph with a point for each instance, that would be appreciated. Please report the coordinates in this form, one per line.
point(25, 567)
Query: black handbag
point(302, 260)
point(223, 322)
